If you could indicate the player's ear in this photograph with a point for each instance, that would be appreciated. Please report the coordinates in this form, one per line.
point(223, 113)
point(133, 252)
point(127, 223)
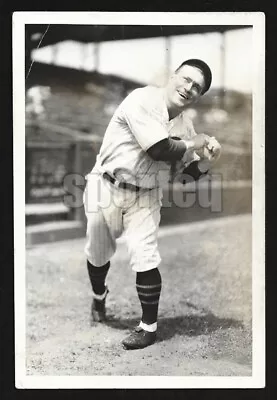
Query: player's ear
point(197, 98)
point(173, 75)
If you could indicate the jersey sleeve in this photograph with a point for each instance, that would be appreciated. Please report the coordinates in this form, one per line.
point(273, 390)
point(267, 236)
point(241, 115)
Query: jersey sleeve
point(144, 117)
point(189, 131)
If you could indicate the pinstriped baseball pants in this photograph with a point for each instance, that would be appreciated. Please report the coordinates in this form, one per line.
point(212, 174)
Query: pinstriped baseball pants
point(112, 211)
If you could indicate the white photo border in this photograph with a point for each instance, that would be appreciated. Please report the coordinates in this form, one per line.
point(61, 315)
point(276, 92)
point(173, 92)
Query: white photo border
point(257, 20)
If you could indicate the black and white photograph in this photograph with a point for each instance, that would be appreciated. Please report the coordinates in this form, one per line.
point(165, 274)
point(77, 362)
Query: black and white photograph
point(139, 199)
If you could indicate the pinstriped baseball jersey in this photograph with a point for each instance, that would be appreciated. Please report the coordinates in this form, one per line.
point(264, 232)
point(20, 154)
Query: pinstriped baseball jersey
point(139, 122)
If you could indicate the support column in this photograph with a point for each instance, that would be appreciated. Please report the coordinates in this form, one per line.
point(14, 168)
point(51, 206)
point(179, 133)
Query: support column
point(168, 53)
point(96, 56)
point(223, 71)
point(85, 55)
point(55, 50)
point(78, 170)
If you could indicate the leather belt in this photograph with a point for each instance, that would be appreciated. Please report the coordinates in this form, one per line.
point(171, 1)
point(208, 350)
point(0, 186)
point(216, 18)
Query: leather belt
point(122, 185)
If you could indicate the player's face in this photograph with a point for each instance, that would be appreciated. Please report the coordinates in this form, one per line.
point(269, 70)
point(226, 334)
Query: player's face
point(185, 86)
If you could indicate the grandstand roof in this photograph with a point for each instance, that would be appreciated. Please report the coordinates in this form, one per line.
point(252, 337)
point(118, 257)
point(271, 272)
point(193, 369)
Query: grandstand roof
point(102, 33)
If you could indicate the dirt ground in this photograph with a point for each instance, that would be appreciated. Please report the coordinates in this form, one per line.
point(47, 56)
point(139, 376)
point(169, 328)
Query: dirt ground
point(204, 315)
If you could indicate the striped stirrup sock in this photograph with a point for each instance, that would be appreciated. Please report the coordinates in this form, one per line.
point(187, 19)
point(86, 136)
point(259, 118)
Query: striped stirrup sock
point(149, 285)
point(97, 276)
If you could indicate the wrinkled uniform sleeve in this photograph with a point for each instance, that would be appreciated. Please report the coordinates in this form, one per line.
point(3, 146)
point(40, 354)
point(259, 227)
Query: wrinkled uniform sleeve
point(144, 117)
point(188, 166)
point(190, 156)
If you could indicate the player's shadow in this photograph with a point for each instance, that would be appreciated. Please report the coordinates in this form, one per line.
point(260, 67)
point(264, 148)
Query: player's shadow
point(194, 325)
point(183, 325)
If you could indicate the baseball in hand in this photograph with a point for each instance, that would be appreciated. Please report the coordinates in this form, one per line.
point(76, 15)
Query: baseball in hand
point(212, 149)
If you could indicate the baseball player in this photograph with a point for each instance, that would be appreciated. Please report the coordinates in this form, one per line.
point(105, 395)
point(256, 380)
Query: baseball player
point(147, 135)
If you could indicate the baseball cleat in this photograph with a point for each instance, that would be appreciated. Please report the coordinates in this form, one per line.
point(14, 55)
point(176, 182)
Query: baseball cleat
point(98, 307)
point(139, 339)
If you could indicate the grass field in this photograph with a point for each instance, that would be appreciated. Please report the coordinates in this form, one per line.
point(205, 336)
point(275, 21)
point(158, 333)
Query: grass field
point(204, 315)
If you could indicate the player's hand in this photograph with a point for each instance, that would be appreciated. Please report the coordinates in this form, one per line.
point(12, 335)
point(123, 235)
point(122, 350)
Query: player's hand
point(198, 142)
point(214, 149)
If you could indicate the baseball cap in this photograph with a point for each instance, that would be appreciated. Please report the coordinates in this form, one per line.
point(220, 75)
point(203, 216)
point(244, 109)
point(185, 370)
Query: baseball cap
point(195, 62)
